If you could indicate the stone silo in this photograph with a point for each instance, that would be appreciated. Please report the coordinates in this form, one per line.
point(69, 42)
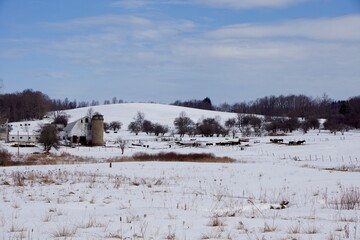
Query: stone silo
point(97, 130)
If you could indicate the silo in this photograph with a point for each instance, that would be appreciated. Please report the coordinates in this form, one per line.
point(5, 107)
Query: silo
point(97, 130)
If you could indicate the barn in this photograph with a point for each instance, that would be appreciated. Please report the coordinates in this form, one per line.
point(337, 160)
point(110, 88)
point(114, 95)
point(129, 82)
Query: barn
point(86, 131)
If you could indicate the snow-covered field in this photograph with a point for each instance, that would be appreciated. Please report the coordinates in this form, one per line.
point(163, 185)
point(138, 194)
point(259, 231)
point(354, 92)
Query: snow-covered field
point(273, 191)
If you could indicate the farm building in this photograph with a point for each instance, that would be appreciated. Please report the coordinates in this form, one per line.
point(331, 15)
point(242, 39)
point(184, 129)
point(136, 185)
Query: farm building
point(24, 132)
point(86, 130)
point(25, 138)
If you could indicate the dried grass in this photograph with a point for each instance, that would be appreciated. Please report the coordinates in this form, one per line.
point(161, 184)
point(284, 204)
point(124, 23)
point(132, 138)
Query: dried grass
point(348, 199)
point(312, 229)
point(66, 158)
point(344, 168)
point(175, 157)
point(216, 222)
point(64, 232)
point(5, 158)
point(269, 228)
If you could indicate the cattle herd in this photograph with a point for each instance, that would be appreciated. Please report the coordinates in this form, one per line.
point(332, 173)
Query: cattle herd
point(281, 141)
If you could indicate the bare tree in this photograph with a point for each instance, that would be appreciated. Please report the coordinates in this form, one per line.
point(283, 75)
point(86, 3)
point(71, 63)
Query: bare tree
point(147, 126)
point(134, 128)
point(122, 144)
point(60, 117)
point(94, 103)
point(48, 137)
point(160, 129)
point(106, 126)
point(114, 100)
point(230, 124)
point(137, 125)
point(115, 125)
point(209, 127)
point(90, 113)
point(83, 104)
point(139, 118)
point(183, 124)
point(239, 120)
point(291, 124)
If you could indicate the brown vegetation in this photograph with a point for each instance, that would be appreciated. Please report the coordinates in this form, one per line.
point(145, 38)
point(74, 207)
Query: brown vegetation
point(5, 157)
point(66, 158)
point(42, 159)
point(175, 157)
point(348, 199)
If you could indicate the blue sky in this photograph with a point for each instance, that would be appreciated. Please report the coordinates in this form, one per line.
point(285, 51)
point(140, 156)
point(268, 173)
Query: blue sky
point(167, 50)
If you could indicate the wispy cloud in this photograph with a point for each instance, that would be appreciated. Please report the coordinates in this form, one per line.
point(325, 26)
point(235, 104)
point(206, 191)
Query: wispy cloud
point(339, 28)
point(98, 21)
point(131, 4)
point(180, 53)
point(248, 4)
point(130, 39)
point(122, 39)
point(238, 4)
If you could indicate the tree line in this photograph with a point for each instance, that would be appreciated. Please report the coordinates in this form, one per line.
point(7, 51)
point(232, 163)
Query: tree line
point(30, 104)
point(341, 113)
point(244, 125)
point(26, 105)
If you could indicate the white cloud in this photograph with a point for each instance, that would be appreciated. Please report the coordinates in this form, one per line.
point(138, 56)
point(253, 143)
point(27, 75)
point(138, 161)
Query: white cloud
point(238, 4)
point(97, 21)
point(126, 24)
point(247, 4)
point(240, 50)
point(129, 40)
point(339, 28)
point(130, 4)
point(125, 49)
point(118, 39)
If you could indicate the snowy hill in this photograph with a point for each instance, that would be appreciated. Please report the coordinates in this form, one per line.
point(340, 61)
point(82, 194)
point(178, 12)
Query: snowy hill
point(157, 113)
point(125, 113)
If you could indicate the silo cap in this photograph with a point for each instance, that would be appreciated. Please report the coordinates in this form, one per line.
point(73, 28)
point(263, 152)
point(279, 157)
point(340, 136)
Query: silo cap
point(98, 116)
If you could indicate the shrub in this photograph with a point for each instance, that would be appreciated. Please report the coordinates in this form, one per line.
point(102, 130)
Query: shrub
point(269, 228)
point(18, 179)
point(5, 157)
point(349, 199)
point(64, 232)
point(216, 222)
point(176, 157)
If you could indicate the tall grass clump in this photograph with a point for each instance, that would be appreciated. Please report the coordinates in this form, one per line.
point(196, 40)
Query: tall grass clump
point(5, 158)
point(348, 199)
point(64, 232)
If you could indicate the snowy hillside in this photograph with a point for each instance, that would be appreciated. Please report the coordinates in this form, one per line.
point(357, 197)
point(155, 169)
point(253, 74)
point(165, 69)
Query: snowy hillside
point(125, 112)
point(157, 113)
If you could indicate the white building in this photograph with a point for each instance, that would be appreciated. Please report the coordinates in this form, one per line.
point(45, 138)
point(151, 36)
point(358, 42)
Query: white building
point(79, 131)
point(27, 138)
point(23, 132)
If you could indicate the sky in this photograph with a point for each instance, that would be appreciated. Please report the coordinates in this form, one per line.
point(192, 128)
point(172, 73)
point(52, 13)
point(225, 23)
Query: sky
point(167, 50)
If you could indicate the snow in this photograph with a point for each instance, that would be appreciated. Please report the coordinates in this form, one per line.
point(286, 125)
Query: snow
point(172, 200)
point(156, 113)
